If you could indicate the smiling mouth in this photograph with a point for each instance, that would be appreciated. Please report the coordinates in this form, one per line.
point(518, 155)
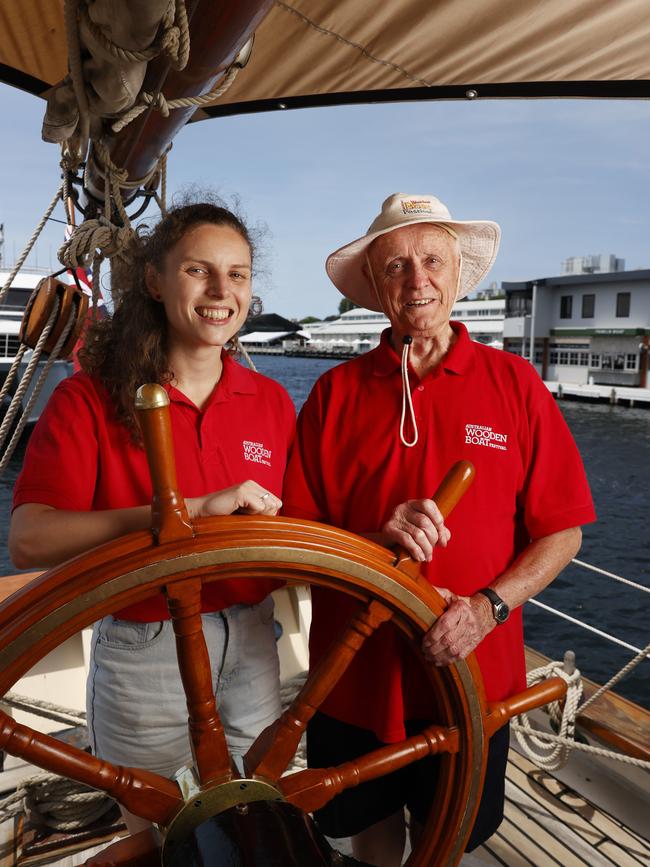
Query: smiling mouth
point(215, 314)
point(420, 302)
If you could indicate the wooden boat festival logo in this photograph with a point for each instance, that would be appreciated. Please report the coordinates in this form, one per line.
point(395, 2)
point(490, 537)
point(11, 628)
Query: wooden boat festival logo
point(257, 453)
point(417, 206)
point(483, 435)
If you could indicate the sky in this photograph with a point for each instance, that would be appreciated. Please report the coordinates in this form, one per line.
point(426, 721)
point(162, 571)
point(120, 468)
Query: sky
point(562, 177)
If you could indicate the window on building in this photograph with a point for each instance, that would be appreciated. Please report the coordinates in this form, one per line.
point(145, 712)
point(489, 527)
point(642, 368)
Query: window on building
point(539, 356)
point(622, 304)
point(588, 306)
point(573, 359)
point(564, 358)
point(631, 361)
point(619, 362)
point(607, 361)
point(595, 359)
point(553, 357)
point(584, 359)
point(566, 306)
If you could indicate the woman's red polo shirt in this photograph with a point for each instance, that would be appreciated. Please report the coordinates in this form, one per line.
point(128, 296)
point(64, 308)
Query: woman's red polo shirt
point(80, 458)
point(350, 469)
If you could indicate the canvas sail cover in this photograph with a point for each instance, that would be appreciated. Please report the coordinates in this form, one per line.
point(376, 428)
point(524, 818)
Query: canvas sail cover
point(311, 52)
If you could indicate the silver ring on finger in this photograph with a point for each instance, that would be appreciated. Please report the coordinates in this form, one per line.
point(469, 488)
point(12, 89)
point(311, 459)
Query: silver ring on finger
point(264, 496)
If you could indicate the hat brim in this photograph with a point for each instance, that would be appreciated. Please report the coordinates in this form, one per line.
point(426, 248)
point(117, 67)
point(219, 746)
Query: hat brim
point(479, 244)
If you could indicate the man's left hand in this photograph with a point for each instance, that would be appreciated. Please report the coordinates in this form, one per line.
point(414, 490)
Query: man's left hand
point(459, 630)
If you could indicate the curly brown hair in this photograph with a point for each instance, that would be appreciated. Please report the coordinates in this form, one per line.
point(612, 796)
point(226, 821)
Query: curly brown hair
point(130, 348)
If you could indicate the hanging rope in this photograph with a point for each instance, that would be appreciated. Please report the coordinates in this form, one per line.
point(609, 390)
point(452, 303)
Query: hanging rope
point(37, 231)
point(164, 106)
point(551, 756)
point(174, 41)
point(16, 402)
point(7, 384)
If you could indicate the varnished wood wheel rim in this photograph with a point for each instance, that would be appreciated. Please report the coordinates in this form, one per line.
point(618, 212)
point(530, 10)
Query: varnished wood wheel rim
point(64, 600)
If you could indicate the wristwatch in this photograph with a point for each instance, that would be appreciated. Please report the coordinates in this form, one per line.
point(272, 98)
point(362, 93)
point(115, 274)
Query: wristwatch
point(500, 610)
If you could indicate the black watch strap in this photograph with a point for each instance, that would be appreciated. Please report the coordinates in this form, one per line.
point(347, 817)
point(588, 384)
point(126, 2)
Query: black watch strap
point(500, 610)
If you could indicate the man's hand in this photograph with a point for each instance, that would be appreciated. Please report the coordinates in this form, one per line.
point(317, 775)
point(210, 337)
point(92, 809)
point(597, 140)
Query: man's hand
point(458, 631)
point(248, 498)
point(418, 526)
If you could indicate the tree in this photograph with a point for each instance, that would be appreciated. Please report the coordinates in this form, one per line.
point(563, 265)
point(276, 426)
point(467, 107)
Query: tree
point(345, 305)
point(307, 320)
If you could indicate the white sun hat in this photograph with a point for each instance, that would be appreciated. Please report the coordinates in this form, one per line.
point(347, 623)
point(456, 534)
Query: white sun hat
point(479, 243)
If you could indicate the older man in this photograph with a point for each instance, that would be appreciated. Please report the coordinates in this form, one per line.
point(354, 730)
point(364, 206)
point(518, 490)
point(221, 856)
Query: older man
point(375, 437)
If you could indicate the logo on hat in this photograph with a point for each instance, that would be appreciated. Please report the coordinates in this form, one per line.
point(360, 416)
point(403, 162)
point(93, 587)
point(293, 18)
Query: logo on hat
point(416, 206)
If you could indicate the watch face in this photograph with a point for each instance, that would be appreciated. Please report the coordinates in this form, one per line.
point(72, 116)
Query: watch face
point(501, 612)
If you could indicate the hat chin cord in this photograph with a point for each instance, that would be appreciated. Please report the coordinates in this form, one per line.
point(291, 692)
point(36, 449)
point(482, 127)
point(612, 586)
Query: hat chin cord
point(407, 341)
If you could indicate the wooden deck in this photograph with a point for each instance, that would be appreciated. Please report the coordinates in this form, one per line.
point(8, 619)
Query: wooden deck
point(546, 823)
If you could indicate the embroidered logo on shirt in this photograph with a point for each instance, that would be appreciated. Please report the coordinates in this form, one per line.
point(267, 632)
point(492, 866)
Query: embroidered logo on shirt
point(257, 453)
point(483, 435)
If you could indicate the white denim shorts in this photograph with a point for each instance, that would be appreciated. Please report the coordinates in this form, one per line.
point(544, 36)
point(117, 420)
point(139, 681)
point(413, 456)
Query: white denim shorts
point(136, 706)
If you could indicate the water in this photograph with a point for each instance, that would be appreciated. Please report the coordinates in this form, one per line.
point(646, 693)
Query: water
point(615, 446)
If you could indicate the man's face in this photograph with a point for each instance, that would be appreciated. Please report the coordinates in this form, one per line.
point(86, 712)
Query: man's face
point(416, 273)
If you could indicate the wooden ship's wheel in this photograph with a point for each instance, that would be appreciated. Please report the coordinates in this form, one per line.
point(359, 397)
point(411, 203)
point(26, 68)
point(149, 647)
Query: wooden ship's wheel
point(267, 807)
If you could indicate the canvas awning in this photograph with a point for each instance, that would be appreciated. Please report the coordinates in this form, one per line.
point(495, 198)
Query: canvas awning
point(310, 52)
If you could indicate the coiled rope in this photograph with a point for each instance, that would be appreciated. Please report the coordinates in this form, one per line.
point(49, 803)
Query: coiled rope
point(551, 752)
point(55, 802)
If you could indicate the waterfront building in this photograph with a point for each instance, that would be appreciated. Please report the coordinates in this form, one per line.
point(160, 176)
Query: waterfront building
point(271, 333)
point(359, 330)
point(587, 328)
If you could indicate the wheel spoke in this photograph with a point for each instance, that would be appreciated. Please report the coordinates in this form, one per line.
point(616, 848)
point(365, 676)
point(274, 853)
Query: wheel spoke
point(312, 789)
point(142, 792)
point(276, 745)
point(207, 737)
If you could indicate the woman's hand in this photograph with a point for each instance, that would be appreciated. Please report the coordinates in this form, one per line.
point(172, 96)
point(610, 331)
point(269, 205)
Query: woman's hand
point(248, 498)
point(418, 526)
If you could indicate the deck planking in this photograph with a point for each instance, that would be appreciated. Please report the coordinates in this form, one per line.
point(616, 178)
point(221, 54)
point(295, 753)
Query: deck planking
point(548, 823)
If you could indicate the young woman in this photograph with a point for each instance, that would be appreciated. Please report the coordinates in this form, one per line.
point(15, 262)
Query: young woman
point(85, 481)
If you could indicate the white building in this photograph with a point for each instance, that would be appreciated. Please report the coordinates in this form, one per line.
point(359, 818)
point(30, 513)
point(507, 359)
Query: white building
point(359, 330)
point(585, 328)
point(602, 264)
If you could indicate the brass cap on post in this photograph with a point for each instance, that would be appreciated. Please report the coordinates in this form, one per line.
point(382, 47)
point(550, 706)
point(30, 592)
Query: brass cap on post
point(151, 396)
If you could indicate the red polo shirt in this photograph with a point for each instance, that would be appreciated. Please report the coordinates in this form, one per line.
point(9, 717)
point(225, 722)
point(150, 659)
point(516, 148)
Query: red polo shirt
point(349, 468)
point(79, 457)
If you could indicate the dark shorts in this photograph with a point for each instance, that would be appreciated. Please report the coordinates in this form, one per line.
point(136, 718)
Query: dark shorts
point(331, 742)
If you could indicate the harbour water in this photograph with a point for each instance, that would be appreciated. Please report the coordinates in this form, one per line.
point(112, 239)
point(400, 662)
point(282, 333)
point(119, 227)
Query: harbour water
point(615, 446)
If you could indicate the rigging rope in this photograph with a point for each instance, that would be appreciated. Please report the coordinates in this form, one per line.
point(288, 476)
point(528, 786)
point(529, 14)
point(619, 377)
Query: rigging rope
point(26, 380)
point(37, 231)
point(164, 106)
point(42, 708)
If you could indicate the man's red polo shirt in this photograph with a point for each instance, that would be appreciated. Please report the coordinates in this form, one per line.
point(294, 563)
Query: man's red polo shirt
point(79, 457)
point(350, 469)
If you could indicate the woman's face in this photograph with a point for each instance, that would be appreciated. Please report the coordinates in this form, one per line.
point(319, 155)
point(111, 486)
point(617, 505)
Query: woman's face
point(204, 286)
